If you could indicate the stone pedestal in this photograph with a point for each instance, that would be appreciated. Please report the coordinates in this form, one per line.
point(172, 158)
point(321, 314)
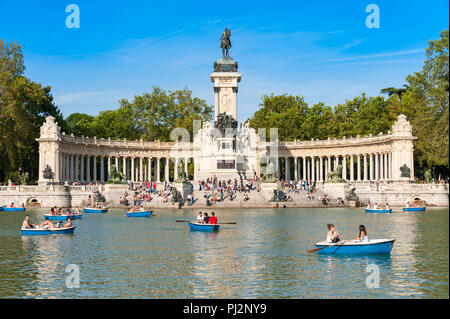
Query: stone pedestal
point(335, 190)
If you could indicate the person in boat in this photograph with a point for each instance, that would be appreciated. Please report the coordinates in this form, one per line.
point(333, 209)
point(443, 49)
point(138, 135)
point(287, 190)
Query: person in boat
point(131, 210)
point(12, 205)
point(375, 206)
point(68, 213)
point(362, 237)
point(69, 223)
point(200, 218)
point(407, 205)
point(333, 235)
point(387, 206)
point(213, 219)
point(206, 219)
point(27, 223)
point(47, 223)
point(142, 209)
point(77, 211)
point(52, 211)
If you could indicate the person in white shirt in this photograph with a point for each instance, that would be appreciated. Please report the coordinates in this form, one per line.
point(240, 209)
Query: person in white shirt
point(200, 218)
point(362, 237)
point(375, 206)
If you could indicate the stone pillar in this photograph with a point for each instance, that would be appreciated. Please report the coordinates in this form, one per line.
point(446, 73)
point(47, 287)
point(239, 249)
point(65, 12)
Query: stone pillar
point(372, 170)
point(385, 171)
point(365, 167)
point(304, 168)
point(124, 167)
point(82, 173)
point(186, 161)
point(287, 174)
point(352, 169)
point(321, 168)
point(175, 171)
point(344, 167)
point(149, 169)
point(88, 169)
point(358, 174)
point(141, 169)
point(132, 170)
point(95, 168)
point(108, 175)
point(166, 170)
point(117, 162)
point(377, 166)
point(390, 165)
point(158, 170)
point(72, 168)
point(328, 164)
point(336, 162)
point(313, 175)
point(296, 168)
point(277, 167)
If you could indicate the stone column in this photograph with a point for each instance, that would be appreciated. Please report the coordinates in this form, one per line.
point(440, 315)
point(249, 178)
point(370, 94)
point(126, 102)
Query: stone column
point(296, 168)
point(71, 167)
point(336, 162)
point(158, 170)
point(277, 167)
point(304, 168)
point(132, 170)
point(88, 169)
point(166, 170)
point(124, 167)
point(385, 170)
point(186, 160)
point(365, 167)
point(321, 168)
point(117, 162)
point(352, 168)
point(82, 173)
point(328, 164)
point(149, 168)
point(175, 170)
point(95, 168)
point(390, 166)
point(141, 169)
point(286, 169)
point(371, 167)
point(377, 167)
point(344, 167)
point(358, 174)
point(313, 175)
point(102, 169)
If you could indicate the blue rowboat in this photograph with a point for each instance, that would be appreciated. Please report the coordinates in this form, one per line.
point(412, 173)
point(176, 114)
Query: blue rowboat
point(14, 209)
point(48, 231)
point(140, 214)
point(1, 208)
point(374, 246)
point(204, 227)
point(95, 210)
point(62, 217)
point(385, 211)
point(414, 209)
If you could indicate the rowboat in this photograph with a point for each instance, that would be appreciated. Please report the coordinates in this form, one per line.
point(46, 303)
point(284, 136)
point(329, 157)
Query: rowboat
point(374, 246)
point(140, 214)
point(414, 209)
point(47, 231)
point(385, 211)
point(62, 217)
point(95, 210)
point(204, 227)
point(1, 208)
point(14, 209)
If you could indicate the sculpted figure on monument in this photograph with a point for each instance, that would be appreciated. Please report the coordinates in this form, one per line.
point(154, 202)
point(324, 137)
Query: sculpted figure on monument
point(225, 43)
point(406, 172)
point(225, 121)
point(335, 176)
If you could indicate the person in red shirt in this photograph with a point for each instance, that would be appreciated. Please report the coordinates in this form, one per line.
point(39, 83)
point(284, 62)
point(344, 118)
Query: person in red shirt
point(213, 219)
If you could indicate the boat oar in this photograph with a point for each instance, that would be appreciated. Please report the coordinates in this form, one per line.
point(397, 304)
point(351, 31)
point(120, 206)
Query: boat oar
point(317, 249)
point(231, 223)
point(183, 221)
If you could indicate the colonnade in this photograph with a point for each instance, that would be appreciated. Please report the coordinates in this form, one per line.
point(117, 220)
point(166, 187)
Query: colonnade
point(92, 168)
point(355, 167)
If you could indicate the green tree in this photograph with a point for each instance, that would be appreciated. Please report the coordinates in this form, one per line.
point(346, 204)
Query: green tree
point(24, 105)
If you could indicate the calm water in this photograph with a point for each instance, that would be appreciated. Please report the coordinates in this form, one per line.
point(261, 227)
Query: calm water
point(263, 256)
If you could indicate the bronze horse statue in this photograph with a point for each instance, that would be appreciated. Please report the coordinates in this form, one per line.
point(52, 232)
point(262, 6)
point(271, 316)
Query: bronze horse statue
point(225, 43)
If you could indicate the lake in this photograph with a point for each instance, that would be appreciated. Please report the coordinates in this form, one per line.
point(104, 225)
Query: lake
point(263, 256)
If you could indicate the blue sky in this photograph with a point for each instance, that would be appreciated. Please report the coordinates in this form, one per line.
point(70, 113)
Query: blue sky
point(321, 50)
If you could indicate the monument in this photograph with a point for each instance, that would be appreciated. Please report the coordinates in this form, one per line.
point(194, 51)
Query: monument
point(225, 149)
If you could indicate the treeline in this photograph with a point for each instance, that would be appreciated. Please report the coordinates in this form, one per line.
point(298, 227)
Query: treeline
point(151, 116)
point(424, 99)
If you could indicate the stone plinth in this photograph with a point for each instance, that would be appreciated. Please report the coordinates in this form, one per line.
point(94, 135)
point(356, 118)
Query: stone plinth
point(335, 190)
